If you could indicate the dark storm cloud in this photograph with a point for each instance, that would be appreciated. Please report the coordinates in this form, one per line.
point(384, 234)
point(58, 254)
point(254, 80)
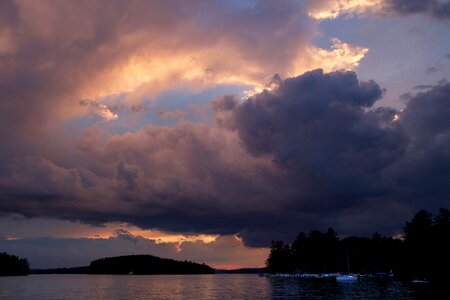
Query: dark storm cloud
point(313, 152)
point(345, 158)
point(317, 128)
point(434, 8)
point(423, 173)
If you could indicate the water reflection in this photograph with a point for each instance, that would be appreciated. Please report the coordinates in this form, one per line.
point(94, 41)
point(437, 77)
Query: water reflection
point(294, 288)
point(199, 287)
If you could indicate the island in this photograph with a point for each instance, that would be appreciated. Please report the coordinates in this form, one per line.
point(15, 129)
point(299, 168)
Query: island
point(146, 265)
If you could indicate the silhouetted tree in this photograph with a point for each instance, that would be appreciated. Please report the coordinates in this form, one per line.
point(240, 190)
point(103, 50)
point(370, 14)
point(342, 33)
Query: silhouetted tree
point(11, 265)
point(419, 227)
point(300, 252)
point(423, 254)
point(318, 252)
point(440, 248)
point(280, 258)
point(418, 245)
point(442, 220)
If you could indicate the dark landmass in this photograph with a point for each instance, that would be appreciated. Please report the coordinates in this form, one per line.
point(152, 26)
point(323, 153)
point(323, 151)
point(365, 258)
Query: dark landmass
point(11, 265)
point(73, 270)
point(135, 264)
point(423, 252)
point(146, 265)
point(242, 271)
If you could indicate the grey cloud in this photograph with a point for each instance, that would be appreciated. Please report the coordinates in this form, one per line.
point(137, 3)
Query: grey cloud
point(317, 129)
point(127, 173)
point(435, 8)
point(423, 174)
point(344, 156)
point(423, 87)
point(186, 178)
point(435, 68)
point(126, 235)
point(138, 108)
point(115, 108)
point(312, 153)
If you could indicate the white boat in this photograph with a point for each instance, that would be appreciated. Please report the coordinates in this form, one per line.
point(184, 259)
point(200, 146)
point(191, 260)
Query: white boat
point(419, 281)
point(348, 277)
point(314, 276)
point(308, 276)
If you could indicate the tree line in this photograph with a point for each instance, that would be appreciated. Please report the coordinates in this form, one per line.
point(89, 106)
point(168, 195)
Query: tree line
point(11, 265)
point(423, 252)
point(146, 264)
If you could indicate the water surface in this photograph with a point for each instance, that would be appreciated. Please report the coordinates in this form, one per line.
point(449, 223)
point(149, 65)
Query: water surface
point(220, 286)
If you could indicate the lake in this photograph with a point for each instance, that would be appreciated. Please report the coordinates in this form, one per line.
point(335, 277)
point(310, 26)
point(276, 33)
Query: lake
point(220, 286)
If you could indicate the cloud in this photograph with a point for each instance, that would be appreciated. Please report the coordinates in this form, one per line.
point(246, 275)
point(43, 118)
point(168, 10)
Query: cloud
point(422, 175)
point(330, 9)
point(225, 252)
point(125, 235)
point(422, 87)
point(435, 68)
point(99, 109)
point(434, 8)
point(316, 128)
point(177, 114)
point(312, 152)
point(342, 56)
point(308, 153)
point(55, 53)
point(184, 178)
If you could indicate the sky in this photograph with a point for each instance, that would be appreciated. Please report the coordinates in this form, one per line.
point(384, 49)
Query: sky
point(203, 130)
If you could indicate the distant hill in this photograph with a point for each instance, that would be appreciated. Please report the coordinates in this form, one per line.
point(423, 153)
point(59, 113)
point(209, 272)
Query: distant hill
point(11, 265)
point(74, 270)
point(146, 264)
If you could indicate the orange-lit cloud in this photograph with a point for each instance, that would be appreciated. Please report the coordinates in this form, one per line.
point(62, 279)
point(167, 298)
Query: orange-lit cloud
point(152, 71)
point(65, 229)
point(342, 56)
point(63, 244)
point(227, 252)
point(111, 230)
point(99, 109)
point(331, 9)
point(11, 238)
point(58, 53)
